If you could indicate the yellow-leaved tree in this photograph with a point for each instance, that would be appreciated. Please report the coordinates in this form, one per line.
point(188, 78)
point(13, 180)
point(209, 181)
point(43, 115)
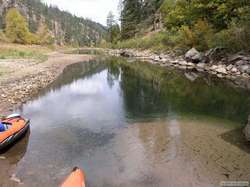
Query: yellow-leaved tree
point(44, 35)
point(17, 28)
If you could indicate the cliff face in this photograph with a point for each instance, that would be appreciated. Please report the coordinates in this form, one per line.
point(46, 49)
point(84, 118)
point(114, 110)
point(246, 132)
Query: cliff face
point(66, 28)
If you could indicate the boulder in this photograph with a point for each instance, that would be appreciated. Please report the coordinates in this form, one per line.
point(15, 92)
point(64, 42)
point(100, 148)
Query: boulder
point(215, 54)
point(193, 56)
point(221, 69)
point(213, 67)
point(240, 63)
point(238, 57)
point(245, 69)
point(201, 65)
point(229, 67)
point(190, 64)
point(234, 70)
point(247, 130)
point(125, 53)
point(182, 63)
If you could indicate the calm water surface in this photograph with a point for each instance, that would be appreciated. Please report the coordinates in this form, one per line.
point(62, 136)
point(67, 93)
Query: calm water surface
point(133, 124)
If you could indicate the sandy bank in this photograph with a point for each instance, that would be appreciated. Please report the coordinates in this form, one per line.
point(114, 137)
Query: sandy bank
point(22, 79)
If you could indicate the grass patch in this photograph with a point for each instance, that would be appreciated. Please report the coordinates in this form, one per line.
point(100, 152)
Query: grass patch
point(153, 42)
point(23, 52)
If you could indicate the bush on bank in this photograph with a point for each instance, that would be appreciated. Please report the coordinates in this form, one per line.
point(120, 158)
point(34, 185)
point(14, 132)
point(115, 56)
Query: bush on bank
point(186, 24)
point(201, 36)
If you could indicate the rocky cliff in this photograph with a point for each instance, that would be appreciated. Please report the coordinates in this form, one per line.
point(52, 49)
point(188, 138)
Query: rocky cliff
point(66, 28)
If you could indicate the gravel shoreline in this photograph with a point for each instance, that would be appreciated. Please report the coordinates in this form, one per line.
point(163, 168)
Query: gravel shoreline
point(235, 67)
point(23, 79)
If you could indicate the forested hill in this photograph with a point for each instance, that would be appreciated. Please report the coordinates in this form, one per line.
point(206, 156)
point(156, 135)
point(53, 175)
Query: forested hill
point(184, 24)
point(63, 26)
point(137, 15)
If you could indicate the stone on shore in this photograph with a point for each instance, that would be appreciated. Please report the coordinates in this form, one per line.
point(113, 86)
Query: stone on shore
point(126, 53)
point(215, 54)
point(193, 56)
point(238, 58)
point(245, 68)
point(215, 61)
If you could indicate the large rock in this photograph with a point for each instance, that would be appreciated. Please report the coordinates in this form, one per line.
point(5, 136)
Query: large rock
point(245, 68)
point(238, 57)
point(193, 56)
point(247, 130)
point(126, 53)
point(221, 69)
point(215, 54)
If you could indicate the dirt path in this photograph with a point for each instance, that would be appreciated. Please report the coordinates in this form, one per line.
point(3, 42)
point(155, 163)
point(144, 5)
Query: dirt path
point(22, 79)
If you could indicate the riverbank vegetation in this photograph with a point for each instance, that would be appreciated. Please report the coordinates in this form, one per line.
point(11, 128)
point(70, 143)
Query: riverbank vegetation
point(23, 54)
point(17, 31)
point(18, 51)
point(180, 25)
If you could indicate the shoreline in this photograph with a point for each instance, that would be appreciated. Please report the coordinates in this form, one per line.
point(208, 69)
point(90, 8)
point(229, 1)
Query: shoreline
point(26, 77)
point(228, 68)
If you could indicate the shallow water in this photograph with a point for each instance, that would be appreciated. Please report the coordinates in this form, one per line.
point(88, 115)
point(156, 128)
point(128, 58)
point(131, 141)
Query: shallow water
point(87, 51)
point(133, 124)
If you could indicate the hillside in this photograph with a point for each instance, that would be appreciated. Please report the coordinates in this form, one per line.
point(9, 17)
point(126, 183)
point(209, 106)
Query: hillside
point(183, 24)
point(65, 28)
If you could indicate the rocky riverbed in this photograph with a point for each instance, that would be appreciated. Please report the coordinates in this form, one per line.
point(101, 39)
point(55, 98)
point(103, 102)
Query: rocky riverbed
point(215, 61)
point(22, 79)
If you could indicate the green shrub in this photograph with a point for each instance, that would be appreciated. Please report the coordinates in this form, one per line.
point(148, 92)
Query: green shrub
point(235, 38)
point(198, 36)
point(154, 41)
point(201, 36)
point(104, 44)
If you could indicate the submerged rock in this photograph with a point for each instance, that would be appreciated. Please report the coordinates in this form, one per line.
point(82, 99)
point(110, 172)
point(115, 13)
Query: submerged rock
point(247, 130)
point(191, 76)
point(193, 56)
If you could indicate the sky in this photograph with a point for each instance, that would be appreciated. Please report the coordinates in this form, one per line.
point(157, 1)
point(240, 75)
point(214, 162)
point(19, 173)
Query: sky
point(96, 10)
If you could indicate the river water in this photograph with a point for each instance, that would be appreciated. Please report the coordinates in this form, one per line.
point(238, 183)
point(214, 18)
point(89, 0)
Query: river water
point(129, 123)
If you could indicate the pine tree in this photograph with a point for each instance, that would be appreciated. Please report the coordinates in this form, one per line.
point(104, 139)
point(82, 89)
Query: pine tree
point(137, 14)
point(113, 28)
point(130, 17)
point(150, 7)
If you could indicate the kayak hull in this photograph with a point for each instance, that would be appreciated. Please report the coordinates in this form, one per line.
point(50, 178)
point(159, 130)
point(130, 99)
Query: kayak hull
point(75, 179)
point(14, 137)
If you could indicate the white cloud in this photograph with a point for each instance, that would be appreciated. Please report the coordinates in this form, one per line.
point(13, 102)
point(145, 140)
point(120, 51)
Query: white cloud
point(96, 10)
